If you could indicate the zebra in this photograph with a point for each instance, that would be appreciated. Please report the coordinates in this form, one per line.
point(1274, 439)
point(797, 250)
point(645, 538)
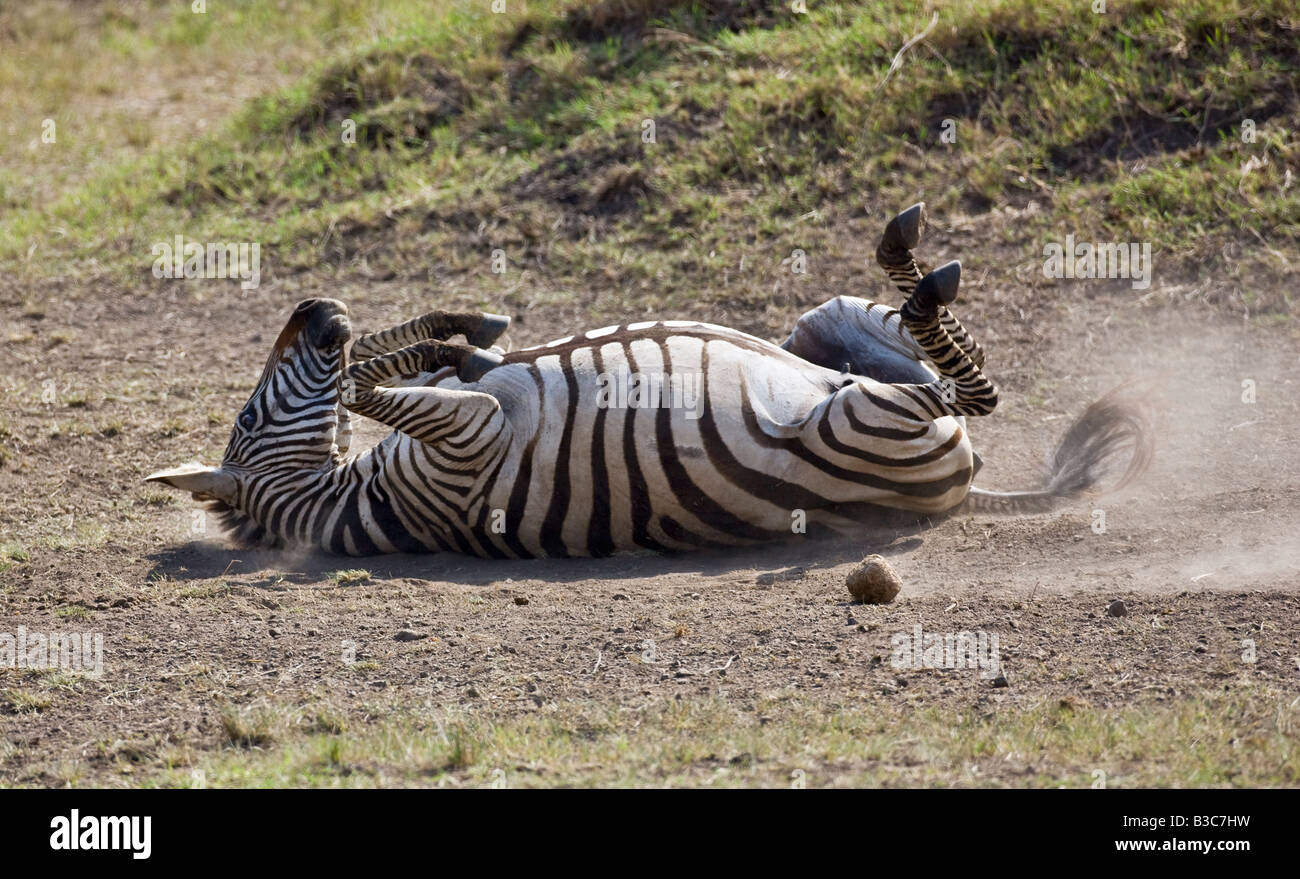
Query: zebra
point(860, 412)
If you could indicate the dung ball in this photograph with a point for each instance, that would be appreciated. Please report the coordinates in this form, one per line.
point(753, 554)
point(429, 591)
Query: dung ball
point(873, 581)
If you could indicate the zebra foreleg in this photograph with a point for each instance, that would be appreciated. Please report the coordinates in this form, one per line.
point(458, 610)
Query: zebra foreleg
point(479, 328)
point(963, 389)
point(894, 254)
point(429, 414)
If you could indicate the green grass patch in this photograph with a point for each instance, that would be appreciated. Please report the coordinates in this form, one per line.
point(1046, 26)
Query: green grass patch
point(12, 555)
point(21, 701)
point(452, 130)
point(1218, 739)
point(350, 577)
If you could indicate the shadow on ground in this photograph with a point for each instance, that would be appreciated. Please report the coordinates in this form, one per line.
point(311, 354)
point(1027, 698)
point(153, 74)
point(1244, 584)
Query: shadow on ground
point(204, 560)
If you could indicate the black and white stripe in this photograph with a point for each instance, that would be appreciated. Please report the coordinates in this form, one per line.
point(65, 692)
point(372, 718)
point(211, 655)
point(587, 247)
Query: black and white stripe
point(527, 461)
point(862, 410)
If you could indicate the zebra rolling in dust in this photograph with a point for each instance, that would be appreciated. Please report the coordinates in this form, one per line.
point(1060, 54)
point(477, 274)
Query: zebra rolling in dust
point(591, 444)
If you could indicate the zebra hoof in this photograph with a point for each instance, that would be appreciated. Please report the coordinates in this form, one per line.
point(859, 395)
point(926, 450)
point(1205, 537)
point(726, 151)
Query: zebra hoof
point(940, 286)
point(489, 330)
point(904, 231)
point(478, 364)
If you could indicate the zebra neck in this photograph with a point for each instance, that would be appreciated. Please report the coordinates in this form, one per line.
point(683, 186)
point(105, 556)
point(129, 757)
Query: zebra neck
point(352, 507)
point(345, 510)
point(295, 508)
point(349, 509)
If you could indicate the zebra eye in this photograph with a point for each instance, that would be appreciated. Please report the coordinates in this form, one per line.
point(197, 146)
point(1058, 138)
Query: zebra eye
point(247, 420)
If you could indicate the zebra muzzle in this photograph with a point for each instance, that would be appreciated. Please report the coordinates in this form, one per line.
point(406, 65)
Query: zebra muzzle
point(327, 324)
point(333, 333)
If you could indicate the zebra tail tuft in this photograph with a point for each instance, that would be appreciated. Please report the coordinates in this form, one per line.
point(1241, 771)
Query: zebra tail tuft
point(1108, 429)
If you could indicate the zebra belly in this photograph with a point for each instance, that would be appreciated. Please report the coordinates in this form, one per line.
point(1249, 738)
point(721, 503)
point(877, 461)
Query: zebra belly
point(748, 444)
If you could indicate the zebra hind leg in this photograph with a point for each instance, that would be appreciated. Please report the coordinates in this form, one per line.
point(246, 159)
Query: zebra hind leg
point(894, 254)
point(480, 329)
point(964, 389)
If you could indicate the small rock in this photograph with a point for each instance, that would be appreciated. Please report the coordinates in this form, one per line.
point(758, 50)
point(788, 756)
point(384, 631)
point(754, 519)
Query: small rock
point(874, 581)
point(1117, 608)
point(773, 577)
point(408, 635)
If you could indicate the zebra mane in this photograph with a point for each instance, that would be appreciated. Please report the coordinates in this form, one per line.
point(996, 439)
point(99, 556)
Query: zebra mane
point(240, 528)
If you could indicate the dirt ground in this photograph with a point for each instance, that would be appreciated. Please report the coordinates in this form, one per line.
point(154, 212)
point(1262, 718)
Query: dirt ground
point(1202, 549)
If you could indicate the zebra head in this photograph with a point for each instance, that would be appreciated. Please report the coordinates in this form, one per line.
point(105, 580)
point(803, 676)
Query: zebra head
point(287, 429)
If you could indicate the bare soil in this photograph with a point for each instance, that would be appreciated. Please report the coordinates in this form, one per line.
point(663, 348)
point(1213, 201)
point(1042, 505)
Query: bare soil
point(1203, 549)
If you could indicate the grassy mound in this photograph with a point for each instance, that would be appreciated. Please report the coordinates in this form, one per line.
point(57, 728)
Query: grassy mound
point(645, 141)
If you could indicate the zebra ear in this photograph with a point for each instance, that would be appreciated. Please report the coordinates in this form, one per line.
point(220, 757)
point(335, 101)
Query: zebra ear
point(205, 483)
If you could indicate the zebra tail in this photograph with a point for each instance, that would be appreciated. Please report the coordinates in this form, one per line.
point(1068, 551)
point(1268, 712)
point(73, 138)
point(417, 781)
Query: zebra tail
point(1109, 428)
